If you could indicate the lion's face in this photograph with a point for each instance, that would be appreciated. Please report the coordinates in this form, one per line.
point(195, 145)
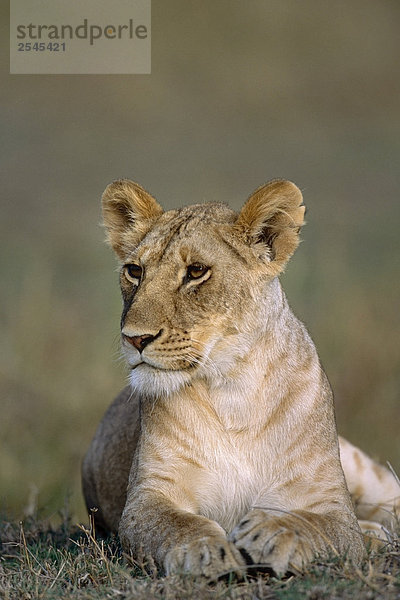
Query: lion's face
point(195, 284)
point(188, 289)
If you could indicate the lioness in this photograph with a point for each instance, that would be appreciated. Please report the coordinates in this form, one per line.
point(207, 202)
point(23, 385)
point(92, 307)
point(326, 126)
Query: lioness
point(223, 452)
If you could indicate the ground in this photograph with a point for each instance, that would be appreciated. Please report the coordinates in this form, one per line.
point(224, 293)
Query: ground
point(69, 561)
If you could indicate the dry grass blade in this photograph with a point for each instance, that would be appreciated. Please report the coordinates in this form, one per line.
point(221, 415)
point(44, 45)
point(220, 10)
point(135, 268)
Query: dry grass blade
point(391, 469)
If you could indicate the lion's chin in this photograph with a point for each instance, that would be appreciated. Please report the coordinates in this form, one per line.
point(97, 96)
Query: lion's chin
point(153, 382)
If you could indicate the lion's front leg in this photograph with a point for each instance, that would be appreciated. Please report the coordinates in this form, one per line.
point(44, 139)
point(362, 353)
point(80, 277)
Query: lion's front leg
point(178, 540)
point(286, 541)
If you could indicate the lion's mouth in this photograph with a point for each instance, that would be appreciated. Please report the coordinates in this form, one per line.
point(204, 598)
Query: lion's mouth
point(188, 366)
point(137, 365)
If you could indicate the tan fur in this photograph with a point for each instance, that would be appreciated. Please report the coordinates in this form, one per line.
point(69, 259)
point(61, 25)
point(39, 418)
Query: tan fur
point(228, 428)
point(374, 489)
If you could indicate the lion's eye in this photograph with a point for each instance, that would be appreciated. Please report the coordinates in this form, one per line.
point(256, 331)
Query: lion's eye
point(196, 271)
point(133, 272)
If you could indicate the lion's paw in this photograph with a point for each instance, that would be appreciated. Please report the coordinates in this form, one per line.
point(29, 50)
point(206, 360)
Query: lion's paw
point(267, 541)
point(207, 556)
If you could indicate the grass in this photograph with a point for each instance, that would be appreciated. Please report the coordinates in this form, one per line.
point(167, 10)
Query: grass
point(40, 561)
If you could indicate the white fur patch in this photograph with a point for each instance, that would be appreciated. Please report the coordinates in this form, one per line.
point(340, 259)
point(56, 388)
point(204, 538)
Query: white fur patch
point(152, 382)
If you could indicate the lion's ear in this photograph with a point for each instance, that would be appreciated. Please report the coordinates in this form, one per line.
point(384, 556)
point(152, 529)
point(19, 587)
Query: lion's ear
point(271, 219)
point(128, 214)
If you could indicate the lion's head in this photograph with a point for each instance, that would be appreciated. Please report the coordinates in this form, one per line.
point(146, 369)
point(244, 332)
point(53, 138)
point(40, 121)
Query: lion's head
point(198, 283)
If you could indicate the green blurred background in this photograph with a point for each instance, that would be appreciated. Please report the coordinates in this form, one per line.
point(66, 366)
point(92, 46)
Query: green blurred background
point(240, 92)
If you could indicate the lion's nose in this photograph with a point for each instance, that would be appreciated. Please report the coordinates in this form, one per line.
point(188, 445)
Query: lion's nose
point(139, 341)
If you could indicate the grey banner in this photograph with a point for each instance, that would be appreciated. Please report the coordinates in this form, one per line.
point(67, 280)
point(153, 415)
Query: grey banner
point(85, 37)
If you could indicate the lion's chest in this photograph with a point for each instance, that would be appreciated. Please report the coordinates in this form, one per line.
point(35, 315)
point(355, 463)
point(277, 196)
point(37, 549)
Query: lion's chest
point(229, 485)
point(221, 468)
